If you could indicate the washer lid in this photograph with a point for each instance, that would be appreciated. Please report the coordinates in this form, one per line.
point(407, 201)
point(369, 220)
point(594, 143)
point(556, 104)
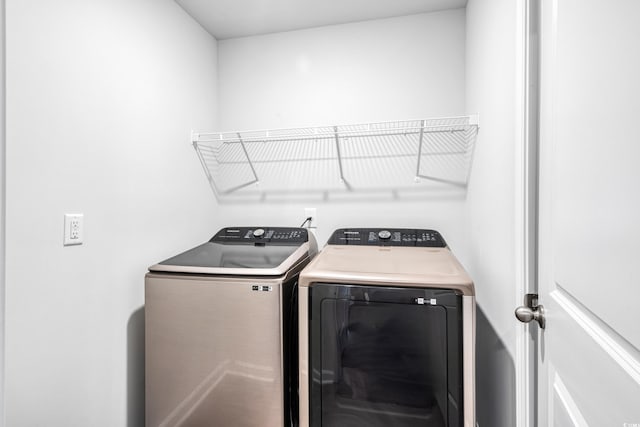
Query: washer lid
point(242, 251)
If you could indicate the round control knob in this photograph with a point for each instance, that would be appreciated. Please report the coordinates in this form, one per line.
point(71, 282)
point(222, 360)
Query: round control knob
point(258, 232)
point(384, 234)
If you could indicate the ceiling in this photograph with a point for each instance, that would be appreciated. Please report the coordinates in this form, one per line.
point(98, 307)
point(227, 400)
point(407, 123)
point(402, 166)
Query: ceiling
point(226, 19)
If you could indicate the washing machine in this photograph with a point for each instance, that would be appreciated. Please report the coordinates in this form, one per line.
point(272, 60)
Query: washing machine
point(387, 331)
point(221, 330)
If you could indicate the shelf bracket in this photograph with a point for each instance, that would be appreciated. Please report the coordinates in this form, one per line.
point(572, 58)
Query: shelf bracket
point(212, 182)
point(420, 138)
point(337, 137)
point(253, 170)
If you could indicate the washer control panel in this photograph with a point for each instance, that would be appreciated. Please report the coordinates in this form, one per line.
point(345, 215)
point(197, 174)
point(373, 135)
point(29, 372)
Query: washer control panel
point(261, 235)
point(387, 237)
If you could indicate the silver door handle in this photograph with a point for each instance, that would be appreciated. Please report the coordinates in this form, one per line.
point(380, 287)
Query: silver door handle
point(531, 310)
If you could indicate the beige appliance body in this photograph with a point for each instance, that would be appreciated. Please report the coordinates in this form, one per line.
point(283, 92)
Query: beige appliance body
point(355, 265)
point(217, 330)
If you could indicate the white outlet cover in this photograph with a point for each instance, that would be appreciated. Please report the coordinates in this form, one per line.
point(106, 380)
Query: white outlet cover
point(73, 229)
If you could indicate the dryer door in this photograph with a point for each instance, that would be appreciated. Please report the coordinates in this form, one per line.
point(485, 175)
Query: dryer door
point(385, 357)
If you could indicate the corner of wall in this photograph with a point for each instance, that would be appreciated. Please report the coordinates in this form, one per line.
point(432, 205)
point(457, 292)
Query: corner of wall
point(2, 203)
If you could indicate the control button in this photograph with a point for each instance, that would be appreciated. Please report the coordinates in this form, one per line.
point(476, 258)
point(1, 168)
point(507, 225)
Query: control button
point(384, 234)
point(258, 232)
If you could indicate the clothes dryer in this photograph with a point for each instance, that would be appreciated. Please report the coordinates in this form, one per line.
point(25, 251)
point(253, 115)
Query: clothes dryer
point(221, 330)
point(387, 330)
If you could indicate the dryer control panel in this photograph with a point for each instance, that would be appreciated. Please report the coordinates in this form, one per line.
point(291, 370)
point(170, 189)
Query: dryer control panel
point(261, 235)
point(387, 237)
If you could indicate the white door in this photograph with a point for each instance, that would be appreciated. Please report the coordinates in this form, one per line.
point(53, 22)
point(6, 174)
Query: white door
point(589, 217)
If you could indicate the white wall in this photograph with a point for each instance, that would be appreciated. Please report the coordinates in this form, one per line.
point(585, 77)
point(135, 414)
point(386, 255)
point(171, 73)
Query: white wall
point(488, 250)
point(101, 96)
point(491, 89)
point(2, 205)
point(400, 68)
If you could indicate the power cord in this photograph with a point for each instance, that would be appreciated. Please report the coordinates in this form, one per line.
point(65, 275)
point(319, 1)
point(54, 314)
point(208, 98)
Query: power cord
point(308, 220)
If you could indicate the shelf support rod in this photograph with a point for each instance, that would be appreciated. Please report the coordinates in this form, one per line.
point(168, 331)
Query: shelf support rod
point(337, 137)
point(212, 182)
point(424, 123)
point(253, 170)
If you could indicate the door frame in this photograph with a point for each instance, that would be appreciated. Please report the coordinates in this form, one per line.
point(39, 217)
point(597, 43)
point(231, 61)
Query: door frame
point(3, 157)
point(526, 202)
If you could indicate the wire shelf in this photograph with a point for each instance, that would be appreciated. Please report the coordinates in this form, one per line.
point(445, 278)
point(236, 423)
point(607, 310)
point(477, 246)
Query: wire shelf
point(387, 155)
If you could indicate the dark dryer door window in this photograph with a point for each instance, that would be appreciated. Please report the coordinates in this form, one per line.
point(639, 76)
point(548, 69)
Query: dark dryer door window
point(380, 357)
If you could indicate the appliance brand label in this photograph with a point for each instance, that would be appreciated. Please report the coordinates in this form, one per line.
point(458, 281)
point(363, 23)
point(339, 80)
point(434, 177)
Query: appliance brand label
point(261, 288)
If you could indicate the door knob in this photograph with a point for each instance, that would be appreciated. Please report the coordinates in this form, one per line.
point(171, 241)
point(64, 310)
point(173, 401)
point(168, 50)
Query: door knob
point(531, 310)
